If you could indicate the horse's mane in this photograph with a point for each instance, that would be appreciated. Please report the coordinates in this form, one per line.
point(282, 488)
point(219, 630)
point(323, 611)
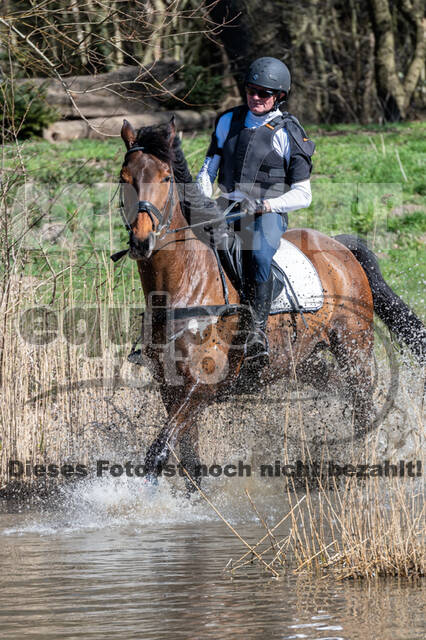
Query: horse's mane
point(155, 140)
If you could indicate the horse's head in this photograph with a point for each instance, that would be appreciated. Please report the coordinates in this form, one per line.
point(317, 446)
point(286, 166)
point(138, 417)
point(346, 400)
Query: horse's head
point(147, 185)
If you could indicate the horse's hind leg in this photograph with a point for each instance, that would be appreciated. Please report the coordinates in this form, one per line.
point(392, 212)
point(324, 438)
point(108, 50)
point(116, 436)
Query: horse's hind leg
point(353, 351)
point(315, 370)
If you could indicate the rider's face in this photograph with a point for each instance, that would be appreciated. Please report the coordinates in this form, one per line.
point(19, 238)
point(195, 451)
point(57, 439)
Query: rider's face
point(259, 104)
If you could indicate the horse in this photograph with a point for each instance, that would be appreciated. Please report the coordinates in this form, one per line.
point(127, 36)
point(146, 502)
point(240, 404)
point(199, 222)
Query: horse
point(194, 346)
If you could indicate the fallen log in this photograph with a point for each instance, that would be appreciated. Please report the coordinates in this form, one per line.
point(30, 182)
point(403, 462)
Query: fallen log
point(130, 89)
point(101, 128)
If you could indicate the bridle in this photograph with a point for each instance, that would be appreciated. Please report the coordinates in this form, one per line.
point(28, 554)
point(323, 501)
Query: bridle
point(164, 217)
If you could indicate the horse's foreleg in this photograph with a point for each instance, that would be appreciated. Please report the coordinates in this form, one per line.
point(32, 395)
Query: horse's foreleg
point(182, 413)
point(156, 456)
point(190, 459)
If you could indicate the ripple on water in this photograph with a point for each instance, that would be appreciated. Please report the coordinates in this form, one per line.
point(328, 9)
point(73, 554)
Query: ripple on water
point(116, 561)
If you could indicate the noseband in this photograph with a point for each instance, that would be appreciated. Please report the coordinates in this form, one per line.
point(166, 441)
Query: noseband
point(144, 206)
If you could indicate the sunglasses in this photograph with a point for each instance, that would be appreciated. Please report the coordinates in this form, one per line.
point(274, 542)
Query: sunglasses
point(261, 93)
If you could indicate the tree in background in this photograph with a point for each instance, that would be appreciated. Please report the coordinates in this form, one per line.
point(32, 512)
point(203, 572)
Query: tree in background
point(398, 72)
point(61, 40)
point(350, 60)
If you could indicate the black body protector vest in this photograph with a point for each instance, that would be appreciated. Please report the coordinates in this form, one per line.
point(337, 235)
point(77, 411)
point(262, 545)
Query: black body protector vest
point(250, 163)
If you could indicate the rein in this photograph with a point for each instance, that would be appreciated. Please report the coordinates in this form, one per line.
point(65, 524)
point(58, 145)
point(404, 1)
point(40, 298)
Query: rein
point(144, 206)
point(212, 220)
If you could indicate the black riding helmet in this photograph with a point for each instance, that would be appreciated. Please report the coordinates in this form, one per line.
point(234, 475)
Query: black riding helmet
point(269, 73)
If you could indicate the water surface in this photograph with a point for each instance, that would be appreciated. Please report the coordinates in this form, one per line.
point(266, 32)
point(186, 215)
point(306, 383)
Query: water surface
point(119, 562)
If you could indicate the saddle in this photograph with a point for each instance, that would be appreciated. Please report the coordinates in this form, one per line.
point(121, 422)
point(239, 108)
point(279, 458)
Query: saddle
point(296, 284)
point(296, 289)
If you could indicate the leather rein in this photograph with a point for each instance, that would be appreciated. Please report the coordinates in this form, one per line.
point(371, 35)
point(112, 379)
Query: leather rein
point(144, 206)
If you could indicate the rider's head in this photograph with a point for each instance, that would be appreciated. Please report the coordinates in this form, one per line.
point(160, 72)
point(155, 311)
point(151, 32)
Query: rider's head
point(267, 83)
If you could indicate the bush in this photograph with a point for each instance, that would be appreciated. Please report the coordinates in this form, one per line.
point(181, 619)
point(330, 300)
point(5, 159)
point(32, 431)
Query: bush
point(26, 111)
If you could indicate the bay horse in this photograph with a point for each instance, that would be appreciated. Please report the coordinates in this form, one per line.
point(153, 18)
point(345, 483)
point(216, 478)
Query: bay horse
point(201, 358)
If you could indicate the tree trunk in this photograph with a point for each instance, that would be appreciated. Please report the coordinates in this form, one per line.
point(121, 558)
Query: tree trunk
point(81, 47)
point(395, 94)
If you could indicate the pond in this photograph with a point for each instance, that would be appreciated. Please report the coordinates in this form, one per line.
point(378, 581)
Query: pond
point(117, 560)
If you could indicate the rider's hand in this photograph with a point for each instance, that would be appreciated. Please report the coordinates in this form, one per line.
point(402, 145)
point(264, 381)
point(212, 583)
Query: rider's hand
point(255, 206)
point(248, 206)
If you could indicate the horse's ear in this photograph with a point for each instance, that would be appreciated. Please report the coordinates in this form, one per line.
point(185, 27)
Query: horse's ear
point(128, 134)
point(171, 130)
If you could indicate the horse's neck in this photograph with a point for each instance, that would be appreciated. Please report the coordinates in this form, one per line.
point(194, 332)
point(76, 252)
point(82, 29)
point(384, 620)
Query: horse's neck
point(184, 269)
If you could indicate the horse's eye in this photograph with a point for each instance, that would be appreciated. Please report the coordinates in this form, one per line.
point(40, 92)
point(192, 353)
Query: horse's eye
point(166, 179)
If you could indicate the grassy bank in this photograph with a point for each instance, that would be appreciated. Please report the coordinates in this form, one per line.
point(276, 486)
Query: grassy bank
point(369, 181)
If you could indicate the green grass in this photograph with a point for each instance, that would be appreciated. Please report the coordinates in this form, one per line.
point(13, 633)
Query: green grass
point(357, 182)
point(359, 187)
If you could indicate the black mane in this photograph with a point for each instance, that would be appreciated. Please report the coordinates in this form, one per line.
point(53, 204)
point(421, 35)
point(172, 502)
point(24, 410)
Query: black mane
point(155, 140)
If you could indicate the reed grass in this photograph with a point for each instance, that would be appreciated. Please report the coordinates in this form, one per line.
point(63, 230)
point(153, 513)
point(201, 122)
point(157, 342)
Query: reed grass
point(374, 527)
point(55, 397)
point(345, 527)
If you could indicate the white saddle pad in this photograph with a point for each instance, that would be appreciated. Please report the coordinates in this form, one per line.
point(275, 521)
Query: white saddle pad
point(304, 282)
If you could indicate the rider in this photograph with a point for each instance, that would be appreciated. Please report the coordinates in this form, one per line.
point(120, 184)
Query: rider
point(263, 158)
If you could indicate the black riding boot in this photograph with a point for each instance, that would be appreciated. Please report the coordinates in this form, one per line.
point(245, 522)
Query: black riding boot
point(260, 299)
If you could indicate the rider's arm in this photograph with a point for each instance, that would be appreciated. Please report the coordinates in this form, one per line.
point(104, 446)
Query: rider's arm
point(298, 172)
point(299, 197)
point(208, 172)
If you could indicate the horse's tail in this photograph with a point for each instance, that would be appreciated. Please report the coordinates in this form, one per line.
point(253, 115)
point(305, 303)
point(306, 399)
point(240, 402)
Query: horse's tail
point(397, 316)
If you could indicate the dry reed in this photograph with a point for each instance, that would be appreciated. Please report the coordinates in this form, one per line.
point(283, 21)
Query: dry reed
point(53, 390)
point(350, 529)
